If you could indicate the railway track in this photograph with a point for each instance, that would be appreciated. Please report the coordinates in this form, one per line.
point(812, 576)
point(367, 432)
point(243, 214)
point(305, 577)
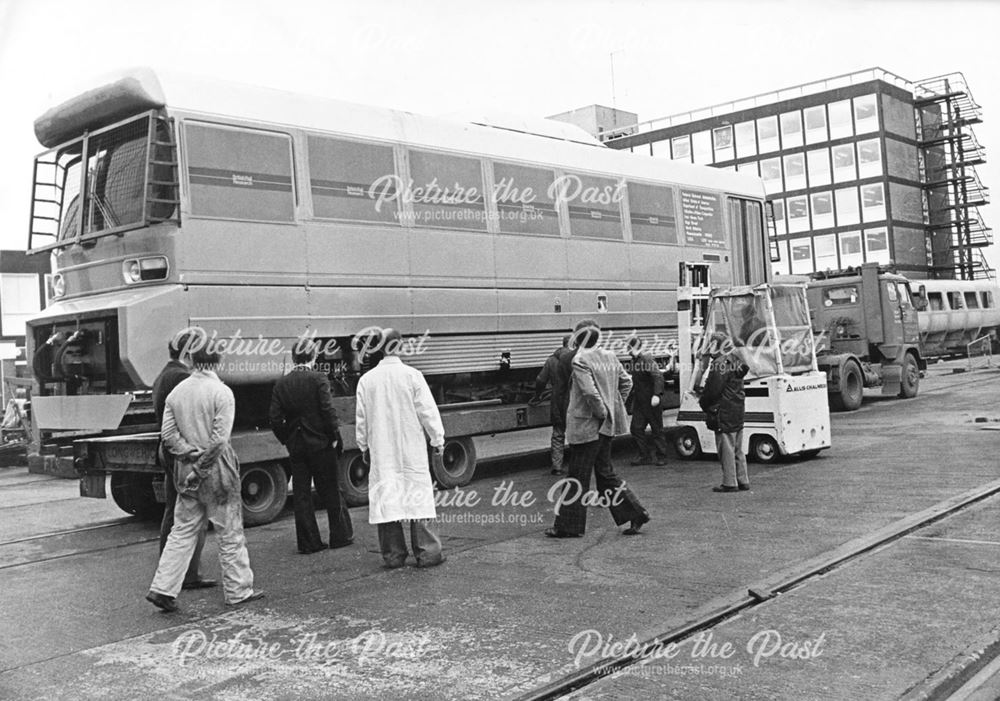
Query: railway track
point(760, 592)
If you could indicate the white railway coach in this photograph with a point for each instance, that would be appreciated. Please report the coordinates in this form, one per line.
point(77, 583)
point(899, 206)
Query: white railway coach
point(958, 312)
point(260, 215)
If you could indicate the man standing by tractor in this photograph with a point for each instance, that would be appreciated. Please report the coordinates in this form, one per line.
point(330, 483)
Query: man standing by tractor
point(647, 406)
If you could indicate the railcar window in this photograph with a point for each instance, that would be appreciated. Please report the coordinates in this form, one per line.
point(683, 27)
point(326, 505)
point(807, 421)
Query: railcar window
point(353, 181)
point(971, 302)
point(955, 300)
point(594, 206)
point(652, 213)
point(447, 191)
point(904, 295)
point(987, 300)
point(839, 296)
point(935, 302)
point(525, 199)
point(240, 174)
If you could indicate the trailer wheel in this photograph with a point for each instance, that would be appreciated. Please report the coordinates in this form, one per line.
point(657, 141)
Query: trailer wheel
point(851, 389)
point(352, 477)
point(687, 445)
point(133, 493)
point(457, 463)
point(264, 491)
point(764, 450)
point(910, 380)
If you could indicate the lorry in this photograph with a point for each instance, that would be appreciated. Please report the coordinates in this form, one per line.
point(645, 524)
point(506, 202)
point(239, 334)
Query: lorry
point(868, 333)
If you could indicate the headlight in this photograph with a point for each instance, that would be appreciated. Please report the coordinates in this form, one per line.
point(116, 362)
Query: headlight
point(143, 269)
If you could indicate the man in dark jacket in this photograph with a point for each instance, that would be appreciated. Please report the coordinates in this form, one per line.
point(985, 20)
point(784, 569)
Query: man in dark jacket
point(174, 372)
point(303, 419)
point(553, 374)
point(723, 400)
point(647, 406)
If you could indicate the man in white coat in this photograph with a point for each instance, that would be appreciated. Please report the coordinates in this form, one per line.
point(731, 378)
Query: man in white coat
point(394, 409)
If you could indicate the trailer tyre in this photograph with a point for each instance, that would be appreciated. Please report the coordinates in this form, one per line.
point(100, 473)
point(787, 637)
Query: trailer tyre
point(851, 389)
point(352, 477)
point(133, 493)
point(909, 383)
point(764, 450)
point(457, 463)
point(687, 445)
point(264, 491)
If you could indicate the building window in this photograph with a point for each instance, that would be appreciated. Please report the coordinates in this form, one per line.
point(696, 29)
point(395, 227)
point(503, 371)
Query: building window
point(802, 262)
point(783, 266)
point(841, 124)
point(865, 114)
point(702, 147)
point(843, 163)
point(791, 129)
point(795, 171)
point(850, 249)
point(826, 252)
point(20, 299)
point(746, 140)
point(660, 149)
point(816, 124)
point(750, 168)
point(780, 226)
point(770, 173)
point(877, 246)
point(872, 202)
point(818, 162)
point(722, 144)
point(822, 210)
point(869, 158)
point(847, 207)
point(240, 174)
point(352, 181)
point(451, 191)
point(767, 134)
point(681, 148)
point(798, 214)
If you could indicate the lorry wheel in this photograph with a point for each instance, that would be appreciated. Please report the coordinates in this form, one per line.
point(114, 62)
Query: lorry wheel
point(352, 476)
point(764, 450)
point(910, 381)
point(264, 490)
point(851, 389)
point(687, 445)
point(457, 464)
point(133, 493)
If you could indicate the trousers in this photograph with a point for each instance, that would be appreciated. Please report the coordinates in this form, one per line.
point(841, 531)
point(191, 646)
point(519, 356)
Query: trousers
point(425, 542)
point(656, 443)
point(191, 516)
point(320, 468)
point(595, 457)
point(734, 462)
point(558, 446)
point(170, 499)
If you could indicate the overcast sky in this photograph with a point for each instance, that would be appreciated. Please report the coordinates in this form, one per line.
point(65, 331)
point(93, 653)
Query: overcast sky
point(530, 57)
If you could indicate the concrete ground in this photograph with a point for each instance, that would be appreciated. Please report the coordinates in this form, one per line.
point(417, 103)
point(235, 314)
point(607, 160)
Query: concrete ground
point(500, 617)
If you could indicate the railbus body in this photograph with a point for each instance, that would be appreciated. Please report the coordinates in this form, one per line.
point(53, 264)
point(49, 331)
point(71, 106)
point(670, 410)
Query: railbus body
point(957, 313)
point(260, 216)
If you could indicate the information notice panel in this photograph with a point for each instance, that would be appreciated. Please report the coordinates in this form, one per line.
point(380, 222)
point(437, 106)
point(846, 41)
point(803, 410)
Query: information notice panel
point(703, 222)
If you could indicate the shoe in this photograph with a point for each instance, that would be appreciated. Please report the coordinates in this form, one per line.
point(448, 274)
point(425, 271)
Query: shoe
point(556, 533)
point(433, 563)
point(162, 601)
point(322, 546)
point(393, 565)
point(744, 487)
point(200, 584)
point(641, 461)
point(558, 472)
point(726, 488)
point(334, 546)
point(637, 523)
point(253, 597)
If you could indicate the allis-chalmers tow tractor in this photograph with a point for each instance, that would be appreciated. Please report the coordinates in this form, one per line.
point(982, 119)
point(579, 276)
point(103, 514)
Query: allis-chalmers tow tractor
point(786, 404)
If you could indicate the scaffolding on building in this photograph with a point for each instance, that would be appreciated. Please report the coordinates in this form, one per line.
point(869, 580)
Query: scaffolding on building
point(952, 191)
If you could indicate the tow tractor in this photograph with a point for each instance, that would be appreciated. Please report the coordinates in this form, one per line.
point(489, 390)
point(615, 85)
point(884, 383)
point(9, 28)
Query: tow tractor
point(787, 412)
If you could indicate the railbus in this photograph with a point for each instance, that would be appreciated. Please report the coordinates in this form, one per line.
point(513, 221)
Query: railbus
point(957, 312)
point(168, 202)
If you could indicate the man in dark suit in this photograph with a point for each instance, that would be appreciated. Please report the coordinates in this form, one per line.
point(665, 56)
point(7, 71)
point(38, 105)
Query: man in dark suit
point(174, 372)
point(647, 409)
point(303, 419)
point(552, 374)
